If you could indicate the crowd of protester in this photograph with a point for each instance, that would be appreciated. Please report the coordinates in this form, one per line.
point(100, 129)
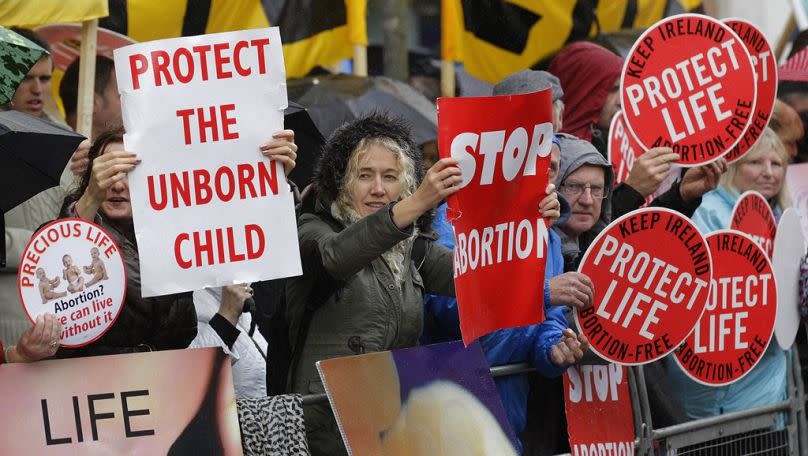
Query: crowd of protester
point(375, 246)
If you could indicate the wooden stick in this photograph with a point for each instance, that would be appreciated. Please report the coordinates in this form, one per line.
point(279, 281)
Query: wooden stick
point(360, 60)
point(447, 78)
point(89, 41)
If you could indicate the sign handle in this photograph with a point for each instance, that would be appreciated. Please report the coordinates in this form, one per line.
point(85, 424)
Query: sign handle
point(89, 37)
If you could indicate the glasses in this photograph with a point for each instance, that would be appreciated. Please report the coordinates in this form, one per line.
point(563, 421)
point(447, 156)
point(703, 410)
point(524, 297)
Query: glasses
point(575, 189)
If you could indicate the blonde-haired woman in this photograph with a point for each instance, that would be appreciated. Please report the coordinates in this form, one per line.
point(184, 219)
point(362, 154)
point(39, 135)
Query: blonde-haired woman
point(762, 169)
point(363, 281)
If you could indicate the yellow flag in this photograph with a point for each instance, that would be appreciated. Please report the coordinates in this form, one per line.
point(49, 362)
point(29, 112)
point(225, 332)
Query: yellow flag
point(28, 13)
point(314, 32)
point(496, 38)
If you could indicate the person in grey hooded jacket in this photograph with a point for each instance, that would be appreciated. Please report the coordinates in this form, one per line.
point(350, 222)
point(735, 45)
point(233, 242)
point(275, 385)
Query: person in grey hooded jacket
point(585, 179)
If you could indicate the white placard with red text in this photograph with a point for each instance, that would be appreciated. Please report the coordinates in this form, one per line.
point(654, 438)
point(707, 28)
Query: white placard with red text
point(732, 335)
point(763, 59)
point(599, 411)
point(753, 215)
point(647, 298)
point(688, 83)
point(73, 269)
point(208, 208)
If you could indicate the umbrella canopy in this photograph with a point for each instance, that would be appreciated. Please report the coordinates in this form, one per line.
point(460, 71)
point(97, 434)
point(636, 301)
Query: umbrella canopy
point(332, 100)
point(309, 142)
point(33, 154)
point(17, 55)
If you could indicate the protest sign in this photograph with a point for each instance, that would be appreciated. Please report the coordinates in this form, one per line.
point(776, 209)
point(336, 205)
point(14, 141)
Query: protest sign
point(789, 248)
point(753, 215)
point(503, 146)
point(764, 61)
point(623, 150)
point(65, 42)
point(647, 298)
point(167, 402)
point(688, 83)
point(599, 411)
point(73, 269)
point(208, 208)
point(738, 322)
point(435, 399)
point(797, 183)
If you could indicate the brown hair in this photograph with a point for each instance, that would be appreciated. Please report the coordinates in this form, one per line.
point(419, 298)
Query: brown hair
point(109, 136)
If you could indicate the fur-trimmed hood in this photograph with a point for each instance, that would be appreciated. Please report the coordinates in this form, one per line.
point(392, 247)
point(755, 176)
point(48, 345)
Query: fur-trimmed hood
point(329, 172)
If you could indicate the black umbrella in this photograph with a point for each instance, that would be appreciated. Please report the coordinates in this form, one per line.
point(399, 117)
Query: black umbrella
point(33, 154)
point(309, 141)
point(332, 100)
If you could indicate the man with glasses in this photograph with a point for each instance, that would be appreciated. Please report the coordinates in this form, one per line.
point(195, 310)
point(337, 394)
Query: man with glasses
point(585, 180)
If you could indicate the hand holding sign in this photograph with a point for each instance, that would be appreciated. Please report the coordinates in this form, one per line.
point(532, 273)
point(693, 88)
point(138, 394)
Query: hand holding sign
point(550, 207)
point(702, 179)
point(651, 169)
point(441, 181)
point(282, 148)
point(571, 289)
point(37, 342)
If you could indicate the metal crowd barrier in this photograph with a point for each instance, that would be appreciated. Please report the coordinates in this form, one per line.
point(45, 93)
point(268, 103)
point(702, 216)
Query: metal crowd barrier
point(777, 429)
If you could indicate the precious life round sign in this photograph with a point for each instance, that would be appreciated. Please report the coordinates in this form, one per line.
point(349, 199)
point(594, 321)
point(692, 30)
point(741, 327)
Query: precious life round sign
point(647, 298)
point(737, 325)
point(73, 269)
point(688, 83)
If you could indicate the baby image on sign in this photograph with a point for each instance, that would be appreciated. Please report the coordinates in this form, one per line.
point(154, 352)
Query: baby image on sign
point(74, 270)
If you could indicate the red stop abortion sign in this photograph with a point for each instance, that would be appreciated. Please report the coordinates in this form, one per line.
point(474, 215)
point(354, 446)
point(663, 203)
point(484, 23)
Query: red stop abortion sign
point(651, 269)
point(753, 215)
point(689, 84)
point(765, 65)
point(599, 411)
point(738, 322)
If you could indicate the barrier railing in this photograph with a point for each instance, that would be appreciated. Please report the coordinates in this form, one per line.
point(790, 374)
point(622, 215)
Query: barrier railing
point(776, 429)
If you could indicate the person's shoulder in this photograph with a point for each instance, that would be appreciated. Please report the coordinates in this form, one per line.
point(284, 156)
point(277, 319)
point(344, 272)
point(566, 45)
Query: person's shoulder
point(714, 211)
